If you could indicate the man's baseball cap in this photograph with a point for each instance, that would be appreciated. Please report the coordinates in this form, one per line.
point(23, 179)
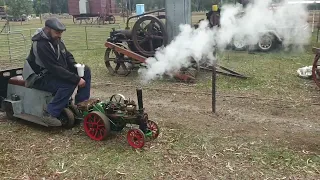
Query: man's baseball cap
point(55, 24)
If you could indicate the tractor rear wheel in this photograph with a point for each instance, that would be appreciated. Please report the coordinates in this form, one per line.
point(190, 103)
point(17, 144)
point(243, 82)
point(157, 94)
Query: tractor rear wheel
point(121, 66)
point(96, 125)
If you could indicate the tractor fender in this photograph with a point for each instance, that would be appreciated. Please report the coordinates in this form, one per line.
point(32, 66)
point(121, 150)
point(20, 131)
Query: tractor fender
point(16, 105)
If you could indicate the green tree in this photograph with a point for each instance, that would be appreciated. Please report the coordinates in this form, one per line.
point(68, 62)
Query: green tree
point(1, 2)
point(17, 8)
point(50, 6)
point(41, 6)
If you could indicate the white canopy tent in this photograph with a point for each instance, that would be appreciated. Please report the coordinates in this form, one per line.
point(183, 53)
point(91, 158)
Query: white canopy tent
point(303, 2)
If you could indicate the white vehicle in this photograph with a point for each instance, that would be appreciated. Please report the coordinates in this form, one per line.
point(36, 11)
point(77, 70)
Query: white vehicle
point(271, 38)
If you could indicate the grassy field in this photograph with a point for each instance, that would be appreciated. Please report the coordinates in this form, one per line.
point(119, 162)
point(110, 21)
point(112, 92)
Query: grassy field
point(266, 126)
point(86, 42)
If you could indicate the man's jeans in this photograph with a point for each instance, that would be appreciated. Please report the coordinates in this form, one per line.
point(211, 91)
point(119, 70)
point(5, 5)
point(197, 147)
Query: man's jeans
point(63, 91)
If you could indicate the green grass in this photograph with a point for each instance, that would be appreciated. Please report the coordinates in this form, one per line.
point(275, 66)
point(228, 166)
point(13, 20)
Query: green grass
point(274, 73)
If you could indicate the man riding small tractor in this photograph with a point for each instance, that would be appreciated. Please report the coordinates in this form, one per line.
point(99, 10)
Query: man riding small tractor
point(41, 93)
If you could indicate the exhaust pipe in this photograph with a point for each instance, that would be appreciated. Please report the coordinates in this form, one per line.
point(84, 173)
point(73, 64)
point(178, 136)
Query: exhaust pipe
point(139, 97)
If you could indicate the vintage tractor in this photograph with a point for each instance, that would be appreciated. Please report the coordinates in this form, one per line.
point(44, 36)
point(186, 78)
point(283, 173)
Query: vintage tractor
point(99, 117)
point(102, 117)
point(127, 49)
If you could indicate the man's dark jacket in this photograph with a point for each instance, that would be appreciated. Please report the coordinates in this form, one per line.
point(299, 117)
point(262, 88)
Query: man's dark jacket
point(52, 58)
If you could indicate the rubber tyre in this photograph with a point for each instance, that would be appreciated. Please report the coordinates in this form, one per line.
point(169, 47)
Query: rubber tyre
point(69, 120)
point(9, 111)
point(271, 43)
point(236, 44)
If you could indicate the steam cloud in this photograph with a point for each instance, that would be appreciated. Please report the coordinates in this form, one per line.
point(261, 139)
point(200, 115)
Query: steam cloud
point(288, 20)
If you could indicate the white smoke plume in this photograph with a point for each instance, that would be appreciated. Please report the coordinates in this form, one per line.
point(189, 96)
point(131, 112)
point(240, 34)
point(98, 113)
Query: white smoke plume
point(287, 20)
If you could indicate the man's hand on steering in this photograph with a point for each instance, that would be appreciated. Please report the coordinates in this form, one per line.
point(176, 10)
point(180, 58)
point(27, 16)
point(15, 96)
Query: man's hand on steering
point(82, 83)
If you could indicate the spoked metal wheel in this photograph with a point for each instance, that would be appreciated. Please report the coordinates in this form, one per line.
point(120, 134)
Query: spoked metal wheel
point(316, 70)
point(136, 138)
point(153, 127)
point(118, 98)
point(116, 63)
point(96, 125)
point(148, 34)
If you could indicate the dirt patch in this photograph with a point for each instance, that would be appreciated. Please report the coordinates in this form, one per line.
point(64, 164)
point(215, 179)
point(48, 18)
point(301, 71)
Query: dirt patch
point(246, 138)
point(271, 120)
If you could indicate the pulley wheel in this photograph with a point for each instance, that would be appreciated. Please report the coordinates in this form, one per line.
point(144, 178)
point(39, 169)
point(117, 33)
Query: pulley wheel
point(117, 63)
point(136, 138)
point(148, 34)
point(96, 125)
point(316, 70)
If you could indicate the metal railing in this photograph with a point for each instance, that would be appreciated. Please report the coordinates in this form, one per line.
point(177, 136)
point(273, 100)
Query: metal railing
point(15, 45)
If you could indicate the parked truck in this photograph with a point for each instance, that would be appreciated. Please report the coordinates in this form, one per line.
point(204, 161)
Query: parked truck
point(90, 11)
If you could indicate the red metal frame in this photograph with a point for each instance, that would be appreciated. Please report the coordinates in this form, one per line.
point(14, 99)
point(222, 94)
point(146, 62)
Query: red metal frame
point(142, 59)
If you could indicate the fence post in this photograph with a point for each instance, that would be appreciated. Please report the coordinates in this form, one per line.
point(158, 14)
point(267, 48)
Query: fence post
point(85, 29)
point(30, 33)
point(9, 46)
point(25, 45)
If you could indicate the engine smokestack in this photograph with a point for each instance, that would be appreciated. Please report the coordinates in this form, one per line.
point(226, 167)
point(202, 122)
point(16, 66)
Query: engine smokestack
point(139, 97)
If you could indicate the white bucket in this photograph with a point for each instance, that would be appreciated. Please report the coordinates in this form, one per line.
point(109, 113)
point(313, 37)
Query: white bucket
point(80, 69)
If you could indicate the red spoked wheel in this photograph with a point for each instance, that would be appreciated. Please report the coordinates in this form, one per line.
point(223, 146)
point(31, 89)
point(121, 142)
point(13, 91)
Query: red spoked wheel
point(316, 70)
point(96, 125)
point(136, 138)
point(153, 127)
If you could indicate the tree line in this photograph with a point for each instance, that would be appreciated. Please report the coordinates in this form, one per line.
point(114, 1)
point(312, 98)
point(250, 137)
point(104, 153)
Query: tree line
point(19, 7)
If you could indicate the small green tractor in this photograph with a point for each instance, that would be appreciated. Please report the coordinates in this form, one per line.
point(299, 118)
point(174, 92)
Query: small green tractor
point(102, 117)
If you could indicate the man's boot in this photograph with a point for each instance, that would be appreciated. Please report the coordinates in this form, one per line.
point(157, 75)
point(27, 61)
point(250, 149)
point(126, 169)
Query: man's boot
point(50, 120)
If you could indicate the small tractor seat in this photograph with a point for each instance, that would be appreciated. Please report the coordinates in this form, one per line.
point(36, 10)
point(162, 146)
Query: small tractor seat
point(17, 80)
